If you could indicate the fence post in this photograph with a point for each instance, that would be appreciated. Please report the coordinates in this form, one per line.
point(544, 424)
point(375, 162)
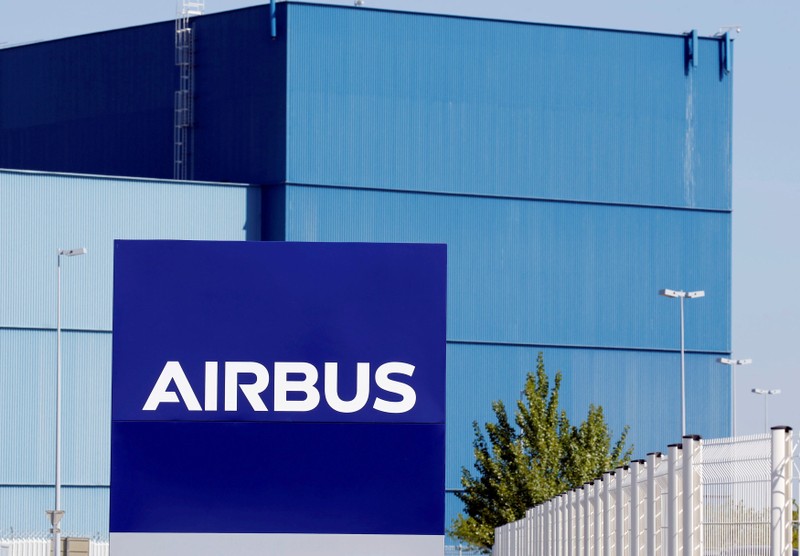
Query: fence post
point(570, 514)
point(564, 523)
point(543, 548)
point(512, 538)
point(580, 492)
point(598, 514)
point(673, 527)
point(608, 509)
point(556, 526)
point(524, 534)
point(558, 536)
point(789, 451)
point(532, 531)
point(557, 532)
point(692, 497)
point(588, 518)
point(636, 468)
point(652, 462)
point(780, 519)
point(622, 474)
point(547, 531)
point(566, 531)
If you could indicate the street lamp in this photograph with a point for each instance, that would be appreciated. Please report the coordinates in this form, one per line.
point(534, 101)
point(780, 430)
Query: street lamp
point(732, 363)
point(58, 513)
point(681, 295)
point(766, 394)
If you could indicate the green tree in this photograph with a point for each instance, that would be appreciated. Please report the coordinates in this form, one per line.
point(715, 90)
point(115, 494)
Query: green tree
point(538, 456)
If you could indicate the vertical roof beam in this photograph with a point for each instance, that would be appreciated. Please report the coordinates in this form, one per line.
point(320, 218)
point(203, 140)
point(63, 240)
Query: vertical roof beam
point(273, 27)
point(692, 48)
point(727, 52)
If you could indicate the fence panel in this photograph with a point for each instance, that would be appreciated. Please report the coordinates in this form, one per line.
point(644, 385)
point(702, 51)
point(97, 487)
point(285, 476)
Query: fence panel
point(736, 499)
point(718, 497)
point(40, 546)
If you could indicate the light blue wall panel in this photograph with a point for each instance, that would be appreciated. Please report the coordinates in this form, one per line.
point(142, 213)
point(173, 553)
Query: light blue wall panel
point(406, 101)
point(22, 511)
point(640, 389)
point(547, 273)
point(40, 213)
point(27, 407)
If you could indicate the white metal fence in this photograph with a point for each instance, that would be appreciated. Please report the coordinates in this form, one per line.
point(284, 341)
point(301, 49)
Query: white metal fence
point(703, 498)
point(736, 476)
point(43, 546)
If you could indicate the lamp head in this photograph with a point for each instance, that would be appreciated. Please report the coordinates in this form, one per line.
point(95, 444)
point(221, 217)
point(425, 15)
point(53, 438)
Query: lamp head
point(73, 252)
point(726, 361)
point(695, 295)
point(671, 293)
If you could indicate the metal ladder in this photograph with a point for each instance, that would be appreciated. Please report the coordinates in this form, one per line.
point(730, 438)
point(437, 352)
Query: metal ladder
point(183, 167)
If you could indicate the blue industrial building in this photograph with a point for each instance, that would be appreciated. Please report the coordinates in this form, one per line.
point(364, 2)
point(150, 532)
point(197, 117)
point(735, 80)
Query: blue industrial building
point(573, 173)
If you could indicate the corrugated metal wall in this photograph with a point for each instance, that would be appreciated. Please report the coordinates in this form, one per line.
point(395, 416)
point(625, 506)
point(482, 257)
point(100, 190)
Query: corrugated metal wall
point(103, 103)
point(38, 214)
point(100, 103)
point(86, 507)
point(27, 406)
point(638, 388)
point(577, 281)
point(535, 272)
point(399, 101)
point(572, 172)
point(241, 97)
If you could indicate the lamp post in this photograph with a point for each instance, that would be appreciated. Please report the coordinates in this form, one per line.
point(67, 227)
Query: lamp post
point(57, 513)
point(681, 295)
point(733, 363)
point(766, 394)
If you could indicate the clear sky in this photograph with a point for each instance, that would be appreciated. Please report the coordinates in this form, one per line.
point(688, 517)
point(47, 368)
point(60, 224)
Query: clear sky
point(766, 144)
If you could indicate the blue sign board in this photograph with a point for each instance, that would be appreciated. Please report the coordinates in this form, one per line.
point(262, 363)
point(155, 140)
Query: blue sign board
point(282, 398)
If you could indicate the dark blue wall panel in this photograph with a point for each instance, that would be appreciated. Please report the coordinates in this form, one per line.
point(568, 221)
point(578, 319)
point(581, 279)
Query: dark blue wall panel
point(99, 104)
point(240, 108)
point(103, 103)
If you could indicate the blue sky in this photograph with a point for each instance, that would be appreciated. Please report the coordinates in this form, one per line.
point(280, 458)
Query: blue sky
point(766, 143)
